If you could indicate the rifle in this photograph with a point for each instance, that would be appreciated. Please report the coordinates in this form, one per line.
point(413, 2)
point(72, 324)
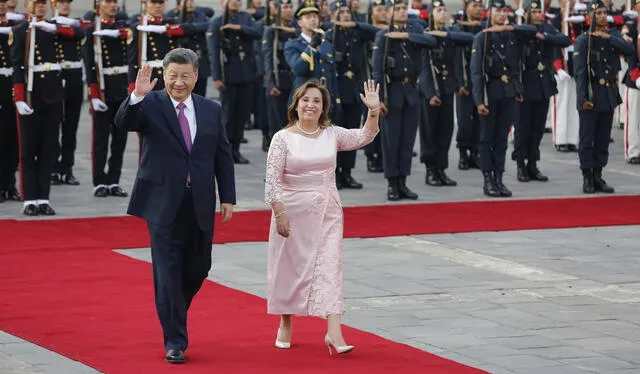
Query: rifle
point(54, 8)
point(592, 28)
point(274, 47)
point(434, 76)
point(29, 55)
point(97, 49)
point(223, 59)
point(565, 29)
point(385, 78)
point(485, 54)
point(183, 12)
point(142, 38)
point(465, 76)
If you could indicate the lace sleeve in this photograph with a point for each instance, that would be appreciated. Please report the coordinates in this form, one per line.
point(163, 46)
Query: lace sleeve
point(350, 139)
point(276, 159)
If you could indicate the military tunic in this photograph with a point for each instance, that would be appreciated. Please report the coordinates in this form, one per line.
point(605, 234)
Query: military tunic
point(8, 126)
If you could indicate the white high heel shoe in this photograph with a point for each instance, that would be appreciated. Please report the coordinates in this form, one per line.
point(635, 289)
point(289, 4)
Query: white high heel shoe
point(340, 349)
point(281, 345)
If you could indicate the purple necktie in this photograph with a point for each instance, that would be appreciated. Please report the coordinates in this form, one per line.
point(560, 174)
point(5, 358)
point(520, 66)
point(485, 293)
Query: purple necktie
point(184, 126)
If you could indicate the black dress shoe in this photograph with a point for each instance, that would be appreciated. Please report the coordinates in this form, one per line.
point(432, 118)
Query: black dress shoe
point(31, 210)
point(504, 191)
point(489, 187)
point(2, 196)
point(474, 160)
point(587, 181)
point(634, 160)
point(392, 190)
point(12, 194)
point(265, 143)
point(432, 178)
point(563, 148)
point(404, 191)
point(446, 181)
point(55, 179)
point(46, 210)
point(238, 158)
point(118, 191)
point(101, 192)
point(70, 180)
point(349, 182)
point(463, 164)
point(523, 174)
point(573, 148)
point(374, 164)
point(599, 184)
point(174, 356)
point(536, 175)
point(244, 141)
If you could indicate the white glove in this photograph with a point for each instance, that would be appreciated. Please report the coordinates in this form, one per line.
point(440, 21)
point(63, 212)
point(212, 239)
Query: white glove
point(638, 83)
point(158, 29)
point(23, 108)
point(610, 19)
point(550, 15)
point(46, 26)
point(562, 75)
point(574, 19)
point(413, 12)
point(520, 12)
point(579, 7)
point(5, 30)
point(99, 105)
point(631, 14)
point(11, 16)
point(111, 33)
point(66, 21)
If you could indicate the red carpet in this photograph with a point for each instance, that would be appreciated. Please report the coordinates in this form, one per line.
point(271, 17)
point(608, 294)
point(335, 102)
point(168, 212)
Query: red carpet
point(96, 306)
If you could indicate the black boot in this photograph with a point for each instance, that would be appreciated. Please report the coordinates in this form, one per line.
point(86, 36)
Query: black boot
point(587, 181)
point(348, 181)
point(392, 189)
point(55, 179)
point(463, 164)
point(523, 173)
point(266, 141)
point(504, 191)
point(405, 192)
point(13, 194)
point(2, 196)
point(474, 160)
point(374, 165)
point(599, 183)
point(237, 157)
point(432, 178)
point(446, 181)
point(534, 173)
point(489, 188)
point(338, 179)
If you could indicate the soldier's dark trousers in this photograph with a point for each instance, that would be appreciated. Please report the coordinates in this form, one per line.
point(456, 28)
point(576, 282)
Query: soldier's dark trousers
point(103, 130)
point(38, 149)
point(436, 131)
point(8, 146)
point(529, 130)
point(374, 148)
point(261, 120)
point(398, 137)
point(350, 119)
point(73, 90)
point(468, 135)
point(595, 133)
point(237, 101)
point(494, 132)
point(201, 87)
point(277, 110)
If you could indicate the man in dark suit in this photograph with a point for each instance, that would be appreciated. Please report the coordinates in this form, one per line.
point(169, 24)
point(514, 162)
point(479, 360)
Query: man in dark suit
point(184, 149)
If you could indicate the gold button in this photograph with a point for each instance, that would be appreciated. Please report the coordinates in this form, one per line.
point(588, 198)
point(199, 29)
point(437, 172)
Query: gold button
point(405, 69)
point(41, 75)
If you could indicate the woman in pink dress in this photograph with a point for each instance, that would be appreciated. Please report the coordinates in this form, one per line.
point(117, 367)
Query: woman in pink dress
point(305, 240)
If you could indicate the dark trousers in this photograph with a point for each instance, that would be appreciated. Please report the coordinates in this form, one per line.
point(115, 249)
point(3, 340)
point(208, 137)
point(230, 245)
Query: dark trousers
point(277, 111)
point(71, 107)
point(398, 137)
point(261, 120)
point(350, 117)
point(468, 135)
point(201, 87)
point(595, 133)
point(436, 131)
point(8, 145)
point(236, 101)
point(103, 128)
point(38, 149)
point(494, 132)
point(181, 259)
point(529, 130)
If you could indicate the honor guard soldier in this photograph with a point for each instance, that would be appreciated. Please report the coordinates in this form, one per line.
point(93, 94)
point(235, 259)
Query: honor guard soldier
point(349, 40)
point(397, 63)
point(8, 126)
point(437, 85)
point(468, 134)
point(233, 67)
point(632, 82)
point(495, 65)
point(278, 75)
point(310, 56)
point(187, 12)
point(38, 94)
point(539, 86)
point(105, 59)
point(596, 64)
point(72, 81)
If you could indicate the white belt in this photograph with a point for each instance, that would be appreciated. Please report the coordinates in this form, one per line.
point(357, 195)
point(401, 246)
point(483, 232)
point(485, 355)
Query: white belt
point(47, 66)
point(7, 72)
point(115, 70)
point(71, 64)
point(570, 48)
point(155, 63)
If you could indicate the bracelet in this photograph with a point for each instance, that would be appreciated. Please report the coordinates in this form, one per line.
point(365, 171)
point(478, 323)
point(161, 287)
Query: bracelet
point(279, 214)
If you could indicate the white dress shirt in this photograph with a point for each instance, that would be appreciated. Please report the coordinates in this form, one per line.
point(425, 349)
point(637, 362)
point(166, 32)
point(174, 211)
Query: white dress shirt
point(189, 112)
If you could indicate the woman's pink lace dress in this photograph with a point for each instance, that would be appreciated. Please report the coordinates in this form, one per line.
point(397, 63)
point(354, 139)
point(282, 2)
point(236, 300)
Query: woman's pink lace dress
point(304, 272)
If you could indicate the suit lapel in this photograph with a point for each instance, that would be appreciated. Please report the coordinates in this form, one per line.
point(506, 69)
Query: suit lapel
point(170, 113)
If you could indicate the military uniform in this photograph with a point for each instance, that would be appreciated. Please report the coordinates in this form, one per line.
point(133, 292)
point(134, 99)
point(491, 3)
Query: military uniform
point(233, 62)
point(397, 63)
point(39, 130)
point(438, 80)
point(495, 62)
point(632, 90)
point(596, 65)
point(350, 65)
point(8, 126)
point(539, 86)
point(113, 53)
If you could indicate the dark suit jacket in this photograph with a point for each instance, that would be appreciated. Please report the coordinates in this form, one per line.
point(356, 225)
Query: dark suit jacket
point(165, 161)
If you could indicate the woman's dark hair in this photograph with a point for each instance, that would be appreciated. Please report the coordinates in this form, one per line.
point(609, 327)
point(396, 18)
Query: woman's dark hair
point(292, 113)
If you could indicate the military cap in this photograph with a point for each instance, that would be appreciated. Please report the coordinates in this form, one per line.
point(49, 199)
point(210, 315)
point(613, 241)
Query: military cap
point(391, 3)
point(383, 3)
point(282, 2)
point(532, 4)
point(337, 4)
point(306, 7)
point(436, 4)
point(497, 4)
point(596, 4)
